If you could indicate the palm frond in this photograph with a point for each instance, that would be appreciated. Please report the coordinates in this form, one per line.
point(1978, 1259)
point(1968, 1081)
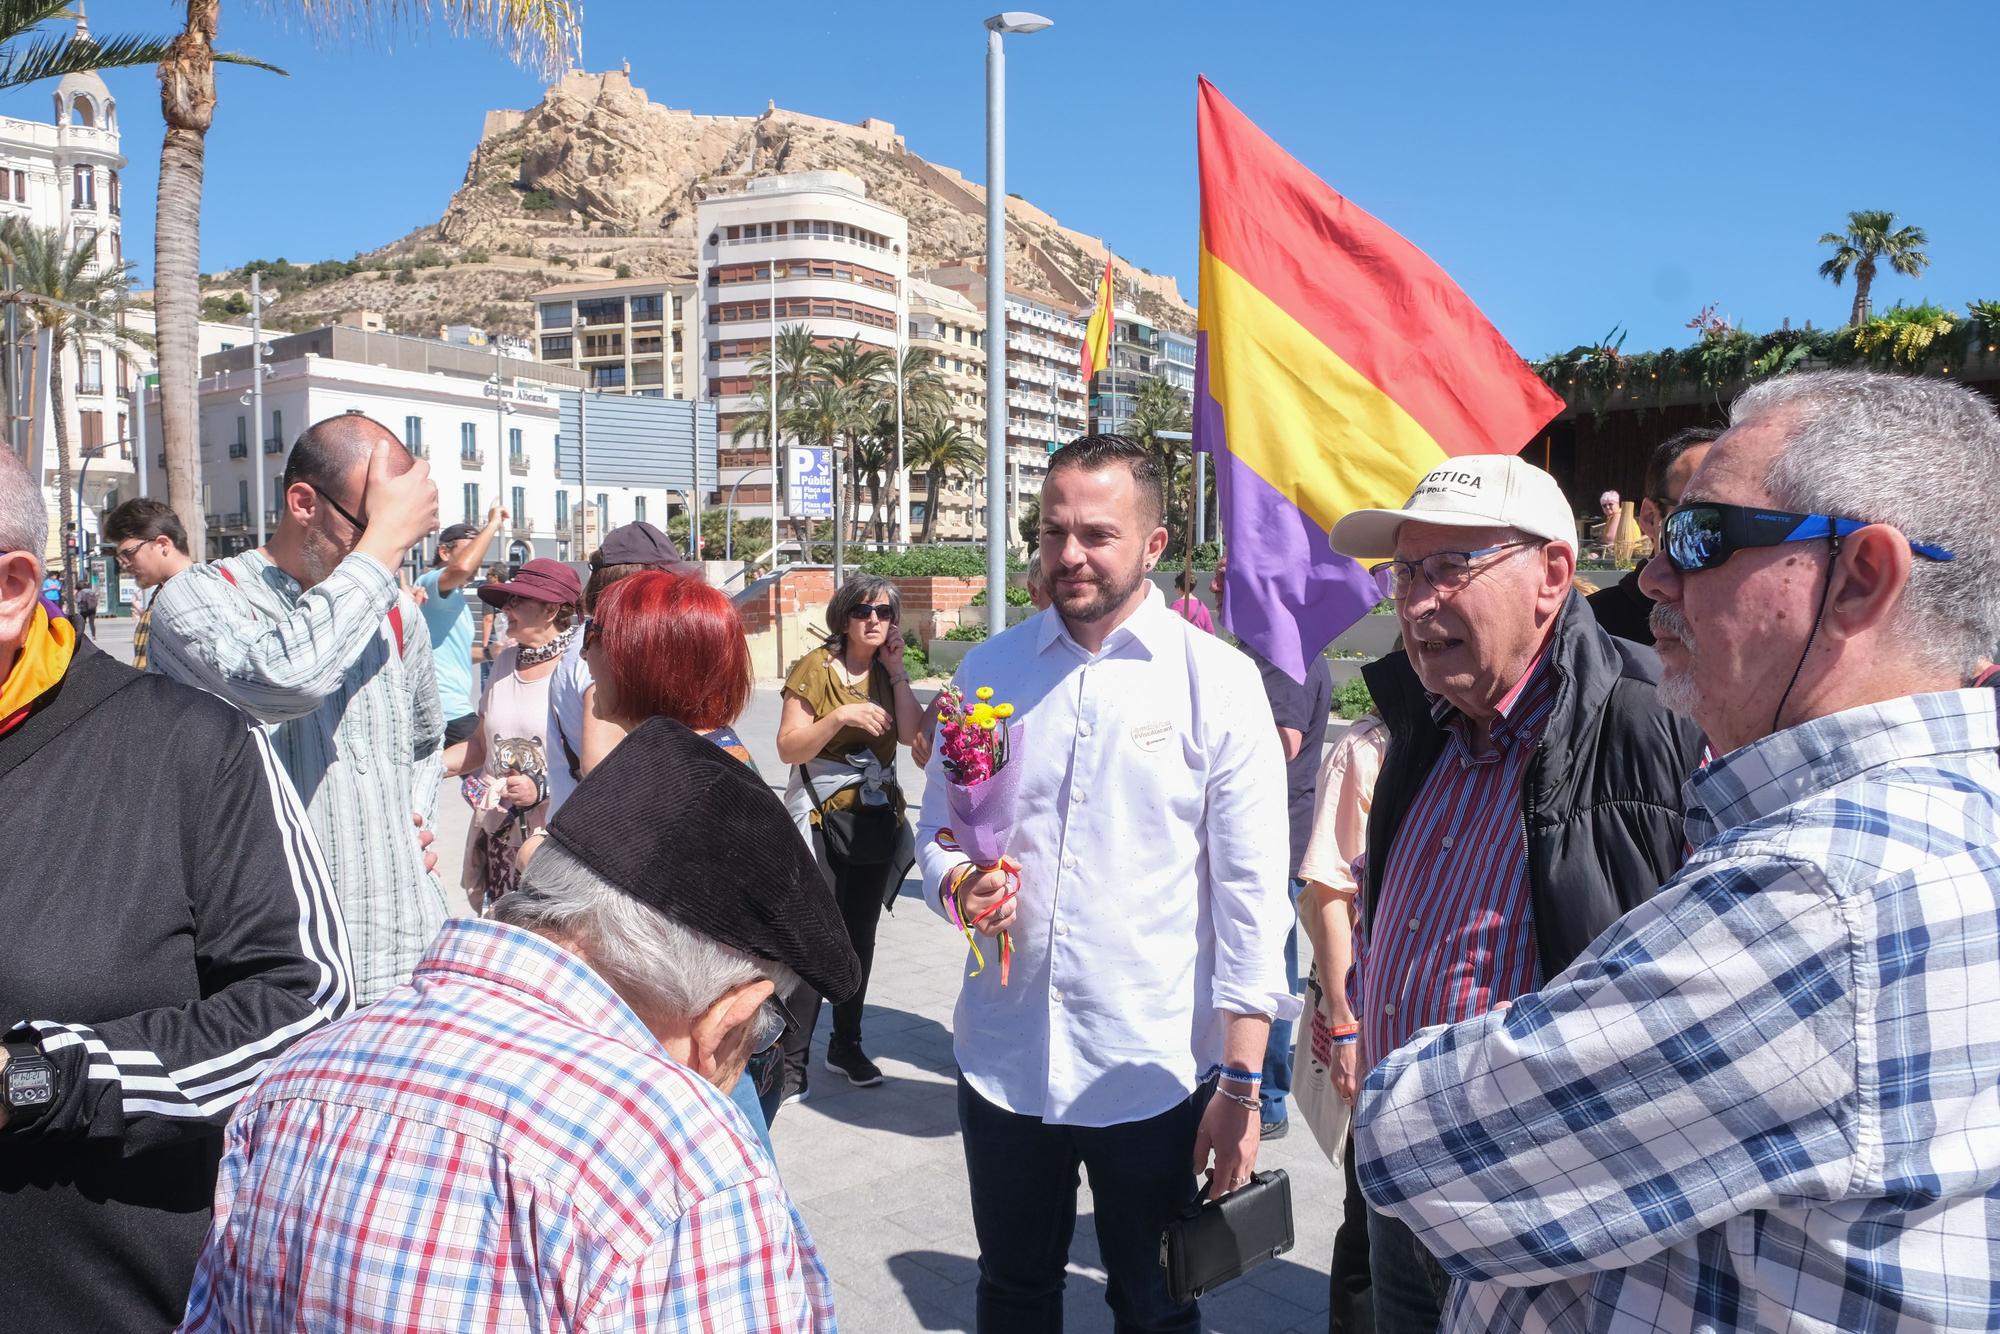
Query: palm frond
point(543, 35)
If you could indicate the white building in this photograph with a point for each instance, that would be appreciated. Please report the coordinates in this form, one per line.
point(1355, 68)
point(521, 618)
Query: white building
point(65, 176)
point(483, 443)
point(829, 258)
point(628, 334)
point(949, 327)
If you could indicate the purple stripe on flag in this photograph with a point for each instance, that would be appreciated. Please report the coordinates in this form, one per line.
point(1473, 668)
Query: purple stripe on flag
point(1288, 593)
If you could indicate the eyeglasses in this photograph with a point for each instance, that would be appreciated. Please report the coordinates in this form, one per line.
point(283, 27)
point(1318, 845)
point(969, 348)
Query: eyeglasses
point(124, 554)
point(1445, 571)
point(767, 1025)
point(1702, 535)
point(880, 611)
point(592, 630)
point(339, 508)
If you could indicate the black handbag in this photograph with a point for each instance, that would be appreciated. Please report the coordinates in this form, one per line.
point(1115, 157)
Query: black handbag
point(1216, 1241)
point(861, 835)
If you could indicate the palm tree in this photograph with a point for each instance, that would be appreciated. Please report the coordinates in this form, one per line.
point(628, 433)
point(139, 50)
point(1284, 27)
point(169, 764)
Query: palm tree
point(66, 295)
point(874, 459)
point(826, 413)
point(863, 374)
point(939, 448)
point(51, 56)
point(1871, 236)
point(539, 33)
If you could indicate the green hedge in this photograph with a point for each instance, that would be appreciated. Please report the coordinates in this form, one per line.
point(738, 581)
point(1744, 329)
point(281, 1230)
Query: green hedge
point(1352, 699)
point(931, 562)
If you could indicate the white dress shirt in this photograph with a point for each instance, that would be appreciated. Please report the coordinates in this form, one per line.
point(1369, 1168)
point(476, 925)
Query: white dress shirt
point(1154, 845)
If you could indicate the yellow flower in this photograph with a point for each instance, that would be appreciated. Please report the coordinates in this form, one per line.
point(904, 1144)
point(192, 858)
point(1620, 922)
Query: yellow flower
point(1003, 711)
point(984, 692)
point(982, 715)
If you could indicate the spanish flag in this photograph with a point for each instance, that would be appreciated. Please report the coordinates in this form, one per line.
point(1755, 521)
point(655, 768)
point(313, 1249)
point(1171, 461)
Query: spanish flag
point(1336, 365)
point(1097, 334)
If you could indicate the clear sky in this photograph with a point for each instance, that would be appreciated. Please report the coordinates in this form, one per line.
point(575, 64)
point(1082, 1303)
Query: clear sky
point(1575, 166)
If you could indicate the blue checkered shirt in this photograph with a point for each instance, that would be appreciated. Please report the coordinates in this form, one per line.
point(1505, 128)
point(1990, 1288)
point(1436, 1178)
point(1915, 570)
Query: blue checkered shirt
point(1769, 1098)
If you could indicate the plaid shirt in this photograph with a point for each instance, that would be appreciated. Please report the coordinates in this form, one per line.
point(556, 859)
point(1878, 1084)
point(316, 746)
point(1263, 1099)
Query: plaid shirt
point(1454, 932)
point(1765, 1098)
point(499, 1144)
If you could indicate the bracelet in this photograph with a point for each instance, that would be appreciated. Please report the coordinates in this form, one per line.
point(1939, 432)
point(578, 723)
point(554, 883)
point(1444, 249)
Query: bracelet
point(1346, 1039)
point(1239, 1099)
point(1241, 1076)
point(1346, 1030)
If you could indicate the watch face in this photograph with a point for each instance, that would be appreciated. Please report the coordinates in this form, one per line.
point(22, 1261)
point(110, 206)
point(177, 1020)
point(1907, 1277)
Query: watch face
point(30, 1087)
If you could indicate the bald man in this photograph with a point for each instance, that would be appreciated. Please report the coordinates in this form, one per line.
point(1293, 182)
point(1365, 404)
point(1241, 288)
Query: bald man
point(311, 636)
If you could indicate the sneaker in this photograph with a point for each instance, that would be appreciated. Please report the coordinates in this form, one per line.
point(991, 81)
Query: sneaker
point(794, 1092)
point(1275, 1129)
point(850, 1061)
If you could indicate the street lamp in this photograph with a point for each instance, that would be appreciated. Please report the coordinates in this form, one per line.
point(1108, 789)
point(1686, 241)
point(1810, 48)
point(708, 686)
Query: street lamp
point(1013, 20)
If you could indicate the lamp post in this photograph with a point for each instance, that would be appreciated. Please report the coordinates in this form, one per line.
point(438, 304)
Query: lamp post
point(256, 400)
point(997, 534)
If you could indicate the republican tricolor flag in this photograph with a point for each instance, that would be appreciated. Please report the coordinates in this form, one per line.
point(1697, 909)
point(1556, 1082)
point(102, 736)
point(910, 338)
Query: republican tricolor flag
point(1336, 365)
point(1097, 334)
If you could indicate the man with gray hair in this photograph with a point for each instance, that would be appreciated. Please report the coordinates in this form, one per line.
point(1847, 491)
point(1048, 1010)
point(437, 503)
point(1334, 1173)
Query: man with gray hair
point(534, 1133)
point(1764, 1099)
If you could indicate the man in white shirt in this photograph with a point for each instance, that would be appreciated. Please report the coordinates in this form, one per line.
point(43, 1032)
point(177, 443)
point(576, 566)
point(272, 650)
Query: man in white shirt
point(1148, 934)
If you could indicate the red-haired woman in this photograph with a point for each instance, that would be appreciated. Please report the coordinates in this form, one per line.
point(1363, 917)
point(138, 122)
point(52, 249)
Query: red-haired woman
point(662, 644)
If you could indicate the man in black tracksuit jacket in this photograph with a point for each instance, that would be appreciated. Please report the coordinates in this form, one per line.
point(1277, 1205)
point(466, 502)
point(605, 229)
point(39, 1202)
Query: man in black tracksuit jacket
point(169, 930)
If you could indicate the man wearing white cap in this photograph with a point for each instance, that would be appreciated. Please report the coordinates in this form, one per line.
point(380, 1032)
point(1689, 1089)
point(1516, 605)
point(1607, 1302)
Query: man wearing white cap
point(1530, 795)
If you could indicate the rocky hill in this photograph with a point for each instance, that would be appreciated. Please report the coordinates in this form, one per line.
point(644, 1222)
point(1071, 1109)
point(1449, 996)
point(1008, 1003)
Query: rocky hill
point(599, 180)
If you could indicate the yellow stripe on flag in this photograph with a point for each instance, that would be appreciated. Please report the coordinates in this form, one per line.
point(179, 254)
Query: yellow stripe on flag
point(1303, 419)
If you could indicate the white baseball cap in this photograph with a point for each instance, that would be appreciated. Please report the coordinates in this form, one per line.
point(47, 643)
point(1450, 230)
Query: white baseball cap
point(1471, 491)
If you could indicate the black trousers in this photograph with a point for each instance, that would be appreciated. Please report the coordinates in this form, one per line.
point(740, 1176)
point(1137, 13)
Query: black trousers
point(1350, 1304)
point(1023, 1173)
point(858, 892)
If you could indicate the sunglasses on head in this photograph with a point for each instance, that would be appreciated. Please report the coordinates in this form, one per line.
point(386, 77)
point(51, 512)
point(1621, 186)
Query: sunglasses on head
point(880, 611)
point(1701, 535)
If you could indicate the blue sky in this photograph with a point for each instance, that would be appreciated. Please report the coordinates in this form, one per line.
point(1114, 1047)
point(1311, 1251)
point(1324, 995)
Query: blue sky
point(1587, 167)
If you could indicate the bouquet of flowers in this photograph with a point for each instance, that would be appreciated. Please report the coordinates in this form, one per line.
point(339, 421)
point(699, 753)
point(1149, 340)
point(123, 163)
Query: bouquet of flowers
point(975, 744)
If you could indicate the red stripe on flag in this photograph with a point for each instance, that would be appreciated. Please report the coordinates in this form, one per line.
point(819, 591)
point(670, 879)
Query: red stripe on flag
point(1379, 303)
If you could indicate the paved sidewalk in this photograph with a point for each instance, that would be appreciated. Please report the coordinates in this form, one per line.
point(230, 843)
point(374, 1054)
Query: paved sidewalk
point(878, 1172)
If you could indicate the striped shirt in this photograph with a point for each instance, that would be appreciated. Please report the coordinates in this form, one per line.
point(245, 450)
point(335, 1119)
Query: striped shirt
point(1453, 932)
point(500, 1145)
point(355, 722)
point(1765, 1098)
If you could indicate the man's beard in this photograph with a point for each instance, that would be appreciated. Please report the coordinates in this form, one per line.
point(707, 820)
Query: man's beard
point(1677, 689)
point(1108, 598)
point(319, 554)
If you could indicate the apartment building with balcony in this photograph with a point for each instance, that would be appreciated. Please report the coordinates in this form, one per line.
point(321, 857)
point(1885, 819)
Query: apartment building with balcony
point(1140, 352)
point(949, 327)
point(484, 440)
point(1046, 404)
point(628, 336)
point(63, 175)
point(806, 248)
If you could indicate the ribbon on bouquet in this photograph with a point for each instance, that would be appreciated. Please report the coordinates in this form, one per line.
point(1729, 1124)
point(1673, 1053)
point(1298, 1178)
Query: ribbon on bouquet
point(970, 927)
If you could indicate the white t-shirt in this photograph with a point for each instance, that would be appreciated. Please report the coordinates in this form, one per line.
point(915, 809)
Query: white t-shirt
point(566, 687)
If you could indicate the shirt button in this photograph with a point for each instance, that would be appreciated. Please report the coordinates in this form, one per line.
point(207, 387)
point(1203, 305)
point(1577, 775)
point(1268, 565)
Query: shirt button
point(1081, 794)
point(1389, 1009)
point(1083, 729)
point(1055, 996)
point(1413, 923)
point(1445, 842)
point(1062, 929)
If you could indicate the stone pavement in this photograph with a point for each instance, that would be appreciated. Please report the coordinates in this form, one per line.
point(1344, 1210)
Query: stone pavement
point(878, 1173)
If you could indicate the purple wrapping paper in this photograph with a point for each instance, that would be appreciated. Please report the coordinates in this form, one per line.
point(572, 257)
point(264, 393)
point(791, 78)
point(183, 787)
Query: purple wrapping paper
point(982, 816)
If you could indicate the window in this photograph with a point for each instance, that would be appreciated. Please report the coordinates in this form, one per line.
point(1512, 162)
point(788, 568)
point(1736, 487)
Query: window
point(562, 511)
point(413, 435)
point(677, 306)
point(21, 186)
point(243, 498)
point(91, 379)
point(93, 429)
point(604, 345)
point(514, 448)
point(646, 308)
point(468, 440)
point(603, 512)
point(84, 193)
point(85, 112)
point(601, 310)
point(7, 185)
point(555, 314)
point(521, 507)
point(638, 509)
point(472, 502)
point(556, 345)
point(116, 197)
point(278, 493)
point(243, 436)
point(607, 377)
point(278, 427)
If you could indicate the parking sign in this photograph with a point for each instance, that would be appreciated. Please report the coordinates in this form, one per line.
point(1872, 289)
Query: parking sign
point(808, 482)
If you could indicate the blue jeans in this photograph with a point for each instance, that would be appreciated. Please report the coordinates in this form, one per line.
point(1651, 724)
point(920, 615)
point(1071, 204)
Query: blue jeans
point(1278, 1050)
point(1023, 1174)
point(1408, 1284)
point(744, 1095)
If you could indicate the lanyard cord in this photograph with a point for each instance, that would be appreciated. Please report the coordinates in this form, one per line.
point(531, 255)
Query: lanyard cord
point(1825, 594)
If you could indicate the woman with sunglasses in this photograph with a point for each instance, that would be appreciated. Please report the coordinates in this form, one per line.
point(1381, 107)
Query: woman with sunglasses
point(507, 758)
point(847, 706)
point(665, 644)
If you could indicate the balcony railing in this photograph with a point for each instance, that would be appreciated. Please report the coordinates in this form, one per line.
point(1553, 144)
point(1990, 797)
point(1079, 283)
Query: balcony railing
point(472, 458)
point(517, 464)
point(522, 528)
point(273, 445)
point(239, 449)
point(270, 518)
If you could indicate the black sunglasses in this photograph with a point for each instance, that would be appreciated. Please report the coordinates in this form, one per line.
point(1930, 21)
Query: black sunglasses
point(339, 508)
point(1702, 535)
point(881, 611)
